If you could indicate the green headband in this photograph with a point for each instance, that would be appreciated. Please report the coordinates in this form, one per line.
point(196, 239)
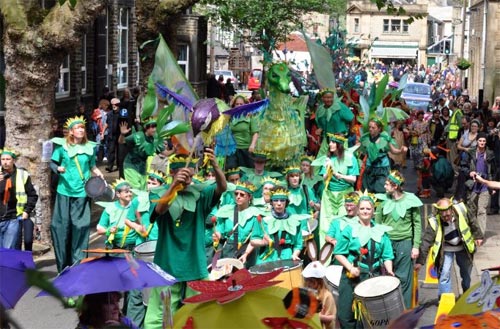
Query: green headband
point(336, 138)
point(156, 176)
point(9, 152)
point(120, 185)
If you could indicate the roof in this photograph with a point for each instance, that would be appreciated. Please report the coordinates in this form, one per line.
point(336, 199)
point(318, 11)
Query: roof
point(295, 42)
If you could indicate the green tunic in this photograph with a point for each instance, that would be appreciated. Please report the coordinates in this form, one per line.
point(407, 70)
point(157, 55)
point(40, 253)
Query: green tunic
point(335, 119)
point(141, 204)
point(298, 200)
point(289, 228)
point(256, 180)
point(180, 248)
point(114, 214)
point(78, 160)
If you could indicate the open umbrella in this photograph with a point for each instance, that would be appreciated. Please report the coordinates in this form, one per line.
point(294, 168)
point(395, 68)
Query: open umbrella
point(13, 284)
point(108, 273)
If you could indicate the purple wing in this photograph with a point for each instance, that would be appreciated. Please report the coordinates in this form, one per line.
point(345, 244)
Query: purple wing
point(247, 109)
point(178, 99)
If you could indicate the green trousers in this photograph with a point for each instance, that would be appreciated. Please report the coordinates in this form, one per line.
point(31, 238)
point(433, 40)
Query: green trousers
point(403, 268)
point(154, 313)
point(70, 229)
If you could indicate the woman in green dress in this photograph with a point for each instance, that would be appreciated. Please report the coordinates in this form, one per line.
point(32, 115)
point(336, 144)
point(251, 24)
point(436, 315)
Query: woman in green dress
point(376, 144)
point(357, 244)
point(309, 178)
point(340, 170)
point(303, 200)
point(234, 226)
point(73, 160)
point(281, 232)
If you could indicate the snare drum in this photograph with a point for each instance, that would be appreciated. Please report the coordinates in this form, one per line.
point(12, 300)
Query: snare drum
point(381, 299)
point(291, 275)
point(99, 190)
point(146, 252)
point(332, 279)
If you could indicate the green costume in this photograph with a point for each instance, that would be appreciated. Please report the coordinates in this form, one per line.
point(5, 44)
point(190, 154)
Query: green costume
point(351, 240)
point(332, 200)
point(226, 226)
point(287, 234)
point(403, 215)
point(299, 201)
point(140, 147)
point(141, 204)
point(114, 215)
point(333, 120)
point(256, 180)
point(180, 249)
point(338, 225)
point(70, 225)
point(377, 163)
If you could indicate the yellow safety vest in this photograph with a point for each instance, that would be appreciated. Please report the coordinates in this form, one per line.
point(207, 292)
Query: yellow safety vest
point(454, 125)
point(463, 227)
point(21, 196)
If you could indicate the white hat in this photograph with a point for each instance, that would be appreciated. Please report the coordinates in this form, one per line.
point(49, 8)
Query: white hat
point(314, 270)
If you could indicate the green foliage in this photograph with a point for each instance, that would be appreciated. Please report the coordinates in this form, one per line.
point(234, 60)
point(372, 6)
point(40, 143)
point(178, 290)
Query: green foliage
point(267, 20)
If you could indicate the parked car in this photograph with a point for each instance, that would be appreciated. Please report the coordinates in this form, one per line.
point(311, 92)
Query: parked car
point(227, 74)
point(417, 96)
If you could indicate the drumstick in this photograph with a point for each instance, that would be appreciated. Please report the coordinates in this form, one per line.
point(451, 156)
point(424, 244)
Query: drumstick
point(214, 230)
point(259, 219)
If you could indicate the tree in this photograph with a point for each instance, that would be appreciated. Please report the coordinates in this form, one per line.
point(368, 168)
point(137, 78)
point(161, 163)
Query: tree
point(35, 41)
point(268, 21)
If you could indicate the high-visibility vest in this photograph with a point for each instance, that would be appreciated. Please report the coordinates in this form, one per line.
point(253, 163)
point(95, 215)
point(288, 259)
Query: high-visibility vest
point(21, 196)
point(454, 125)
point(463, 227)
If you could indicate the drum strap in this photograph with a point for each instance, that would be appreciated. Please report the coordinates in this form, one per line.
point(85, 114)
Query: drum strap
point(78, 167)
point(306, 194)
point(277, 244)
point(235, 229)
point(370, 258)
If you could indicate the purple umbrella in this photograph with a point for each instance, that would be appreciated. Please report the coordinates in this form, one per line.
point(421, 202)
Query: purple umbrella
point(13, 284)
point(108, 273)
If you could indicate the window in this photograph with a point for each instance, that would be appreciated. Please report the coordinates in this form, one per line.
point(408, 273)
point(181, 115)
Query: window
point(386, 25)
point(405, 27)
point(122, 66)
point(83, 69)
point(183, 59)
point(356, 25)
point(62, 88)
point(395, 25)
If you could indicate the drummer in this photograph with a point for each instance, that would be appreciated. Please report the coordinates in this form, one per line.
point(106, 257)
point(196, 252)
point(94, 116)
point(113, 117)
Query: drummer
point(362, 248)
point(120, 231)
point(303, 200)
point(231, 236)
point(338, 224)
point(256, 174)
point(264, 202)
point(281, 232)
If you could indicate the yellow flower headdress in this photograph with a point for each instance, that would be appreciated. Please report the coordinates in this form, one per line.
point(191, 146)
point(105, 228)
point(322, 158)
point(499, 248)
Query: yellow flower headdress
point(440, 208)
point(280, 193)
point(245, 187)
point(260, 155)
point(71, 122)
point(270, 180)
point(307, 158)
point(352, 197)
point(367, 197)
point(233, 171)
point(292, 170)
point(178, 162)
point(338, 138)
point(325, 91)
point(396, 177)
point(158, 175)
point(119, 183)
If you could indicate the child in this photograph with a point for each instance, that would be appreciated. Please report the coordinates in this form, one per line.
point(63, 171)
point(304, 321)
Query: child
point(314, 275)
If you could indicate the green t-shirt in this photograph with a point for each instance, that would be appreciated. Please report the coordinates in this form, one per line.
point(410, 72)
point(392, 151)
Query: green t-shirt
point(140, 148)
point(243, 130)
point(145, 217)
point(71, 183)
point(180, 249)
point(114, 214)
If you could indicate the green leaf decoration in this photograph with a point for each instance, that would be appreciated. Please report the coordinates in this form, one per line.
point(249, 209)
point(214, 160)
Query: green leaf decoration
point(72, 3)
point(174, 128)
point(382, 84)
point(149, 104)
point(163, 115)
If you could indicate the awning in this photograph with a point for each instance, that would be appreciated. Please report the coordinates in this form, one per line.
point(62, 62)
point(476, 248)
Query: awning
point(391, 49)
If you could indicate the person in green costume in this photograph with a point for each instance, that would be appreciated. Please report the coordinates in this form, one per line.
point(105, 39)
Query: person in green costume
point(339, 223)
point(264, 202)
point(358, 244)
point(141, 145)
point(73, 160)
point(302, 198)
point(376, 144)
point(309, 178)
point(255, 175)
point(120, 231)
point(332, 117)
point(234, 227)
point(401, 211)
point(180, 248)
point(281, 232)
point(340, 170)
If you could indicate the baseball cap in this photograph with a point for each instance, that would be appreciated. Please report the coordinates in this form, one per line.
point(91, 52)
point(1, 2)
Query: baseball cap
point(314, 270)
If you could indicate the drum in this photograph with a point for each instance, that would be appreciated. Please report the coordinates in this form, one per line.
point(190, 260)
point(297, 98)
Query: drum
point(291, 276)
point(381, 300)
point(146, 252)
point(99, 190)
point(332, 279)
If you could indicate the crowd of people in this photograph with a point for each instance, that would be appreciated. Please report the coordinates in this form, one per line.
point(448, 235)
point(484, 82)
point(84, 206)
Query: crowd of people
point(346, 192)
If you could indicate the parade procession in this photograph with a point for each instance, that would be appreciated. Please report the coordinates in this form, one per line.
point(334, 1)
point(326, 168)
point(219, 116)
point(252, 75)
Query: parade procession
point(322, 197)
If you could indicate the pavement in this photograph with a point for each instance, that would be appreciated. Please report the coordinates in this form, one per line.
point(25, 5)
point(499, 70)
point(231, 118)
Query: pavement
point(485, 257)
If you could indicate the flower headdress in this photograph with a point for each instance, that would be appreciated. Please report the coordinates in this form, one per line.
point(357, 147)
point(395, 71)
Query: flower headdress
point(325, 91)
point(396, 177)
point(71, 122)
point(158, 175)
point(233, 171)
point(292, 170)
point(10, 152)
point(260, 155)
point(337, 138)
point(367, 197)
point(307, 158)
point(245, 187)
point(443, 208)
point(352, 197)
point(178, 162)
point(280, 193)
point(270, 180)
point(119, 183)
